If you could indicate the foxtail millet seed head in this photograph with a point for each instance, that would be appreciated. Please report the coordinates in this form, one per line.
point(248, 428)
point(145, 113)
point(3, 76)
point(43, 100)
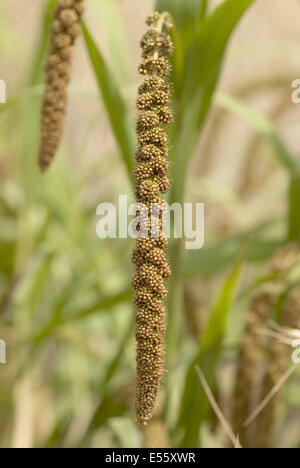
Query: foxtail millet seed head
point(149, 255)
point(248, 362)
point(248, 377)
point(64, 30)
point(278, 363)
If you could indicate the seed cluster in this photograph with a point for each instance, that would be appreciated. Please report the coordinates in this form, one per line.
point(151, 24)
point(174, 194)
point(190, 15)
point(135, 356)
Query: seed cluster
point(65, 28)
point(252, 385)
point(248, 362)
point(278, 363)
point(149, 255)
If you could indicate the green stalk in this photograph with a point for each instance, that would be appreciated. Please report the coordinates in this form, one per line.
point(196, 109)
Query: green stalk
point(294, 209)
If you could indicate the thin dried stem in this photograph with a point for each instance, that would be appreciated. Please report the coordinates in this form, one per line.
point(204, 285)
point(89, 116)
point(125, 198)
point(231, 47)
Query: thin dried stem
point(234, 439)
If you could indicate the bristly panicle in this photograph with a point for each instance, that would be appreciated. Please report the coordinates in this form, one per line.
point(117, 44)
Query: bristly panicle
point(151, 176)
point(248, 362)
point(64, 30)
point(280, 359)
point(248, 391)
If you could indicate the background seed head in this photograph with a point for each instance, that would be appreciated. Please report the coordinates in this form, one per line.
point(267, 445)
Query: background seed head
point(65, 28)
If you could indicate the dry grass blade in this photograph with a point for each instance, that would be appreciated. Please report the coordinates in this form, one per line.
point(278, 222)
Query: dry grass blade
point(271, 395)
point(234, 439)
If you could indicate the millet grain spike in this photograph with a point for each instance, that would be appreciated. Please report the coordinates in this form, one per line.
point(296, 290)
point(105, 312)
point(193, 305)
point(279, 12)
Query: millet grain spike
point(248, 377)
point(149, 255)
point(279, 362)
point(64, 30)
point(248, 362)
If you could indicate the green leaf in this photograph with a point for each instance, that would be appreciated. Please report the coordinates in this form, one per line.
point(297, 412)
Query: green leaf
point(199, 73)
point(187, 17)
point(217, 257)
point(202, 71)
point(183, 12)
point(58, 320)
point(206, 55)
point(103, 305)
point(37, 71)
point(28, 93)
point(110, 18)
point(263, 125)
point(217, 324)
point(101, 413)
point(194, 403)
point(30, 112)
point(116, 108)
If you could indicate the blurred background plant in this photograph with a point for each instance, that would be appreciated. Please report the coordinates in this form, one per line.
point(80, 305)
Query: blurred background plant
point(66, 309)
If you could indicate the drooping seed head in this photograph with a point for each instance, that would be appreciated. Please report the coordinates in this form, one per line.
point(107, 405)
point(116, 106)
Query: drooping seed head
point(64, 29)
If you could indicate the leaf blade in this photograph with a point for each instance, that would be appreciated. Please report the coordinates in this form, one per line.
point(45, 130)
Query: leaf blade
point(294, 209)
point(216, 257)
point(116, 108)
point(207, 359)
point(201, 77)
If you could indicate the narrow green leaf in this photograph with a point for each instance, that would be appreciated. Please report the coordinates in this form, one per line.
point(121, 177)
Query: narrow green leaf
point(28, 93)
point(37, 71)
point(183, 12)
point(202, 72)
point(211, 41)
point(116, 108)
point(110, 18)
point(119, 354)
point(216, 328)
point(201, 61)
point(98, 417)
point(105, 304)
point(218, 256)
point(187, 17)
point(29, 113)
point(194, 403)
point(58, 319)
